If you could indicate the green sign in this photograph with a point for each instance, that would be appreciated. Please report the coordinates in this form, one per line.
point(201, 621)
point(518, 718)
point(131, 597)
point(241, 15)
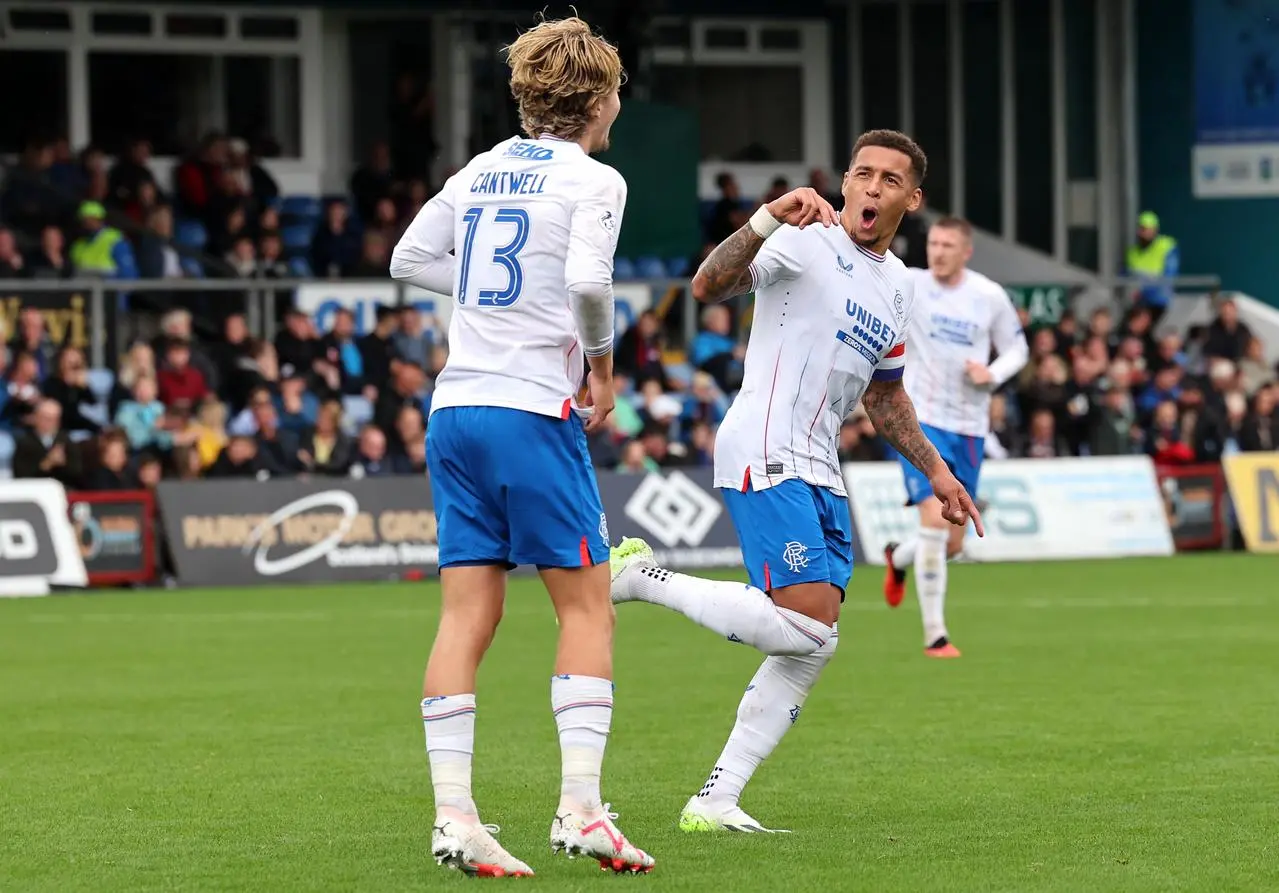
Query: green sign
point(1044, 303)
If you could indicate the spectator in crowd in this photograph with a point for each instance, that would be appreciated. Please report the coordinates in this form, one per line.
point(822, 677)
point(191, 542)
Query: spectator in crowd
point(325, 449)
point(729, 213)
point(139, 362)
point(716, 351)
point(1164, 441)
point(1043, 441)
point(373, 181)
point(1259, 431)
point(658, 447)
point(102, 250)
point(412, 342)
point(1102, 325)
point(44, 450)
point(1153, 259)
point(410, 430)
point(33, 338)
point(268, 220)
point(176, 325)
point(370, 454)
point(187, 465)
point(132, 174)
point(1164, 387)
point(377, 348)
point(179, 379)
point(639, 351)
point(231, 224)
point(858, 440)
point(819, 182)
point(416, 194)
point(140, 208)
point(257, 368)
point(157, 258)
point(701, 445)
point(252, 180)
point(243, 257)
point(1254, 372)
point(911, 242)
point(50, 259)
point(210, 431)
point(277, 448)
point(1115, 431)
point(1227, 336)
point(375, 257)
point(141, 418)
point(704, 403)
point(271, 262)
point(776, 190)
point(12, 264)
point(403, 391)
point(296, 346)
point(339, 351)
point(296, 407)
point(1004, 440)
point(1140, 324)
point(385, 223)
point(335, 248)
point(231, 354)
point(69, 386)
point(112, 471)
point(635, 459)
point(625, 418)
point(238, 459)
point(199, 176)
point(149, 472)
point(21, 390)
point(27, 202)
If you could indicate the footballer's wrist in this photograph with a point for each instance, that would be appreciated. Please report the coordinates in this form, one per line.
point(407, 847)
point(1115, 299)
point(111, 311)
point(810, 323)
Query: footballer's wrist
point(763, 223)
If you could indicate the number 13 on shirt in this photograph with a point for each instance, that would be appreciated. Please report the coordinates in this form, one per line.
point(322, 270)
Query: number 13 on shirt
point(512, 221)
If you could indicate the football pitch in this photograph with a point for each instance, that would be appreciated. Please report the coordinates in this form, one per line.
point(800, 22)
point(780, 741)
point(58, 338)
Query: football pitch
point(1111, 726)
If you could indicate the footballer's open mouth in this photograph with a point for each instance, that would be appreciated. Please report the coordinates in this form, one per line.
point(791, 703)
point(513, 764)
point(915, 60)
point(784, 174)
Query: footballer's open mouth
point(867, 219)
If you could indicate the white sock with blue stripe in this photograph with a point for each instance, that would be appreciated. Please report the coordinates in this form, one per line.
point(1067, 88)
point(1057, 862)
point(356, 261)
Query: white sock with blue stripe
point(739, 612)
point(583, 708)
point(771, 705)
point(449, 721)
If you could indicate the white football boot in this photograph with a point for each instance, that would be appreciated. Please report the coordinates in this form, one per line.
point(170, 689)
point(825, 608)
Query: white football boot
point(596, 837)
point(707, 815)
point(469, 847)
point(624, 560)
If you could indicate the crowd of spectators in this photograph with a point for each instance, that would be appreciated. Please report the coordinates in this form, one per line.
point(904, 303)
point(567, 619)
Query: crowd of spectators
point(339, 403)
point(69, 213)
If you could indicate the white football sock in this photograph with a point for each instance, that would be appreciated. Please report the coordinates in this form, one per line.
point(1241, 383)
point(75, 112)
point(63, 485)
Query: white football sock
point(904, 554)
point(930, 582)
point(583, 708)
point(769, 708)
point(450, 742)
point(739, 612)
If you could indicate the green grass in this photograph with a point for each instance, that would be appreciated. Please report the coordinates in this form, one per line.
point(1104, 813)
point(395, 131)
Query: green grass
point(1112, 726)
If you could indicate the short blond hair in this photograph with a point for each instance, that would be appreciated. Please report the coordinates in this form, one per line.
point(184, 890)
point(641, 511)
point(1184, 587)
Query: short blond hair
point(557, 70)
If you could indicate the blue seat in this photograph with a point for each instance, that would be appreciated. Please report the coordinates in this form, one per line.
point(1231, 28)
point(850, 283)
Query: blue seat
point(297, 236)
point(101, 381)
point(192, 268)
point(96, 412)
point(303, 207)
point(650, 268)
point(623, 269)
point(357, 412)
point(300, 267)
point(6, 453)
point(190, 234)
point(677, 267)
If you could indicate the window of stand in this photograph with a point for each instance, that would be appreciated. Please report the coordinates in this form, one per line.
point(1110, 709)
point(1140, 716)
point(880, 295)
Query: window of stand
point(32, 112)
point(173, 98)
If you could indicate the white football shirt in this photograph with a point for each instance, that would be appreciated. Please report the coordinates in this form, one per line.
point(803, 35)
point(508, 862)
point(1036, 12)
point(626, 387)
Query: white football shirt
point(829, 317)
point(525, 220)
point(951, 326)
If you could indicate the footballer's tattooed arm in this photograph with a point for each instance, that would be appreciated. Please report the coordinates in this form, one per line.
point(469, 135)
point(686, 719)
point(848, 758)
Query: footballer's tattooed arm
point(889, 408)
point(726, 272)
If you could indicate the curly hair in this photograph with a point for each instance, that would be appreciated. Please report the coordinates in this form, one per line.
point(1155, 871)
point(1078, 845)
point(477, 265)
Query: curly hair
point(900, 142)
point(558, 68)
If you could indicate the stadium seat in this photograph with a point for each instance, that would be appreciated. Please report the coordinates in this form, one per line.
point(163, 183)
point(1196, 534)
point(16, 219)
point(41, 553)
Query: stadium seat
point(190, 234)
point(300, 267)
point(6, 453)
point(297, 237)
point(192, 268)
point(96, 412)
point(357, 412)
point(300, 207)
point(650, 268)
point(101, 381)
point(677, 267)
point(623, 269)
